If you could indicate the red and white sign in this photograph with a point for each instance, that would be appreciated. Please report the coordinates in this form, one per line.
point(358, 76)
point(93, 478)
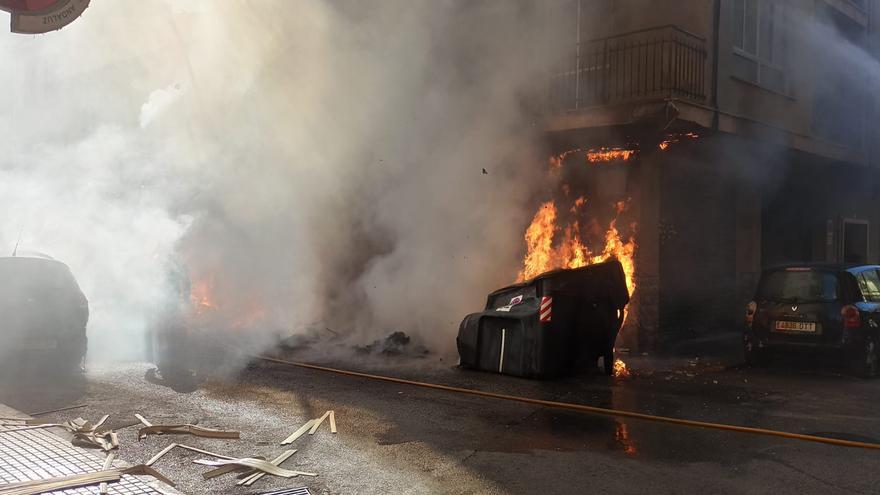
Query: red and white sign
point(42, 16)
point(546, 309)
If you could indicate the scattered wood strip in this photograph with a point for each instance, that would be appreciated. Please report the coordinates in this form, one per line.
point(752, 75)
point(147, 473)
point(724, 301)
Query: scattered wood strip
point(37, 487)
point(332, 421)
point(167, 449)
point(160, 454)
point(253, 463)
point(189, 429)
point(20, 421)
point(108, 463)
point(50, 411)
point(60, 483)
point(30, 427)
point(143, 420)
point(250, 479)
point(298, 433)
point(200, 451)
point(220, 471)
point(318, 423)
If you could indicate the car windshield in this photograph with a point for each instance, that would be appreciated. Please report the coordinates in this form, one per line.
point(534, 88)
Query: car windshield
point(798, 286)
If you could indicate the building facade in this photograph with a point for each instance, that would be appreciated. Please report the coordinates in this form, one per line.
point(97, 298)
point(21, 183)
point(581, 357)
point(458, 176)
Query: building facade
point(754, 148)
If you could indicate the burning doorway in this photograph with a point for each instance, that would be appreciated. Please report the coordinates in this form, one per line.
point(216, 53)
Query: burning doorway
point(585, 217)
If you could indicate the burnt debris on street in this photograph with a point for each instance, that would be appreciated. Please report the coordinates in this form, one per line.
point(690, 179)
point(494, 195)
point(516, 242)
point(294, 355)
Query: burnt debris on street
point(384, 246)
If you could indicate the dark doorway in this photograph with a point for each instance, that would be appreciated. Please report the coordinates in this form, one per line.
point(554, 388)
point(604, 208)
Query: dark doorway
point(855, 241)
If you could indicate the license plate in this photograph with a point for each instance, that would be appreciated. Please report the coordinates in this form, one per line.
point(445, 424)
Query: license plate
point(40, 344)
point(795, 326)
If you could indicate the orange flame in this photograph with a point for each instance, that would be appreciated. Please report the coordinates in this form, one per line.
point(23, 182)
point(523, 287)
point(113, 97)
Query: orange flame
point(556, 160)
point(201, 296)
point(674, 138)
point(600, 155)
point(620, 370)
point(543, 254)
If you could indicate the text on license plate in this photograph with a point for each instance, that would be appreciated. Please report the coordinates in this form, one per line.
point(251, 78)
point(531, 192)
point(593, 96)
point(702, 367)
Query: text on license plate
point(795, 326)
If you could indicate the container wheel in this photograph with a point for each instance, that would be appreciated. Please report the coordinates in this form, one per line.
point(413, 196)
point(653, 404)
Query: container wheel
point(754, 356)
point(866, 362)
point(608, 362)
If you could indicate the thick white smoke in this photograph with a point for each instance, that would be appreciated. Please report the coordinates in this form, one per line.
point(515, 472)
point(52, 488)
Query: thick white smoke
point(312, 162)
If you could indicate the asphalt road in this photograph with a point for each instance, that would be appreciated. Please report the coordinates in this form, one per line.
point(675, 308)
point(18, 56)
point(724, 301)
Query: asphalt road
point(402, 439)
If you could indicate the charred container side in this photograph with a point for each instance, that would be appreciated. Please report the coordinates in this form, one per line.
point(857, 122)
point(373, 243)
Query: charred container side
point(548, 326)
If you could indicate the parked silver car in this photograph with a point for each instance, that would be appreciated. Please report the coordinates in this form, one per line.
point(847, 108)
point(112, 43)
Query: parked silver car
point(43, 315)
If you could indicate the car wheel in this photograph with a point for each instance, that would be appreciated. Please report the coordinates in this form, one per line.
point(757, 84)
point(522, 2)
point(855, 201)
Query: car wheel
point(754, 356)
point(866, 362)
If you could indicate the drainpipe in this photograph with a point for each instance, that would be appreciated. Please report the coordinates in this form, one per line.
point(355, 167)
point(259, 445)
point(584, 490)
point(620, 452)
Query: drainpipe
point(716, 27)
point(577, 63)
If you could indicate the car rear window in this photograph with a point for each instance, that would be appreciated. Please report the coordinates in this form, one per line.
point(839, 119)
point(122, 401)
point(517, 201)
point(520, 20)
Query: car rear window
point(869, 285)
point(799, 286)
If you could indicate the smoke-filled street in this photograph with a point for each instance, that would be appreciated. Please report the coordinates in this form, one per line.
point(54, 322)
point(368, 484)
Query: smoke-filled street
point(307, 247)
point(402, 439)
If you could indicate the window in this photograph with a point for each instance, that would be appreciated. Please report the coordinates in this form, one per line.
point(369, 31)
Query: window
point(758, 43)
point(799, 286)
point(869, 284)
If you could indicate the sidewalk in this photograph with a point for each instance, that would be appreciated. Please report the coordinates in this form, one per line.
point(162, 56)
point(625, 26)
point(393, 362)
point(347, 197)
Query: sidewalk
point(42, 454)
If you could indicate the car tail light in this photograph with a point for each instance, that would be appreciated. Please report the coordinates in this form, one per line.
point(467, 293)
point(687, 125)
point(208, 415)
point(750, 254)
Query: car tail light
point(751, 308)
point(851, 317)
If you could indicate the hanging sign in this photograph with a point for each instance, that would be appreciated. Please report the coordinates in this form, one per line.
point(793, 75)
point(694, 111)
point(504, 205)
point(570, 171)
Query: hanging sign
point(42, 16)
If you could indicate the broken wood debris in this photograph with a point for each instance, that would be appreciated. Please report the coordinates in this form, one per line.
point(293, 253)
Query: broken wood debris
point(29, 427)
point(108, 463)
point(185, 447)
point(19, 421)
point(318, 423)
point(302, 490)
point(251, 477)
point(143, 420)
point(36, 487)
point(85, 433)
point(312, 426)
point(189, 429)
point(60, 409)
point(254, 463)
point(298, 433)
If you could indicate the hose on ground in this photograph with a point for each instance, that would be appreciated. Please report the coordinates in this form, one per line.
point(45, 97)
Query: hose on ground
point(583, 408)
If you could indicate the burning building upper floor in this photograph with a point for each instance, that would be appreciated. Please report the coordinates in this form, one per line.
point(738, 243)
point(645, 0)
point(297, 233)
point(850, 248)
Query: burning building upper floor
point(740, 134)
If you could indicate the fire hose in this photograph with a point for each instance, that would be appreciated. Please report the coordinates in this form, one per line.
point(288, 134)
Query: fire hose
point(583, 408)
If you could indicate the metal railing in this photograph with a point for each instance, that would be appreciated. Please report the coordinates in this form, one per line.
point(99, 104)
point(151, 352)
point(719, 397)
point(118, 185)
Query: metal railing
point(662, 62)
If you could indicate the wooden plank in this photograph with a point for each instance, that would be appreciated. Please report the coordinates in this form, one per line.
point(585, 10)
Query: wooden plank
point(108, 463)
point(318, 423)
point(332, 421)
point(250, 480)
point(159, 455)
point(298, 433)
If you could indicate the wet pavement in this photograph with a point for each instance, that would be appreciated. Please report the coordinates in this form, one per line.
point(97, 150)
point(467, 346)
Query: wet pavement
point(402, 439)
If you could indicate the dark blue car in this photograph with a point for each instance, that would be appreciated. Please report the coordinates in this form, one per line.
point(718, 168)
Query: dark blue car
point(817, 306)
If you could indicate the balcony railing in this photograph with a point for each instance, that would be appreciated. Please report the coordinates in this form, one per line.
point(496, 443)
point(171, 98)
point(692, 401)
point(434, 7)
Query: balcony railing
point(663, 62)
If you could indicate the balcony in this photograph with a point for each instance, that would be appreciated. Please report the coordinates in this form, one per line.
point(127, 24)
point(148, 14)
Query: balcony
point(649, 64)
